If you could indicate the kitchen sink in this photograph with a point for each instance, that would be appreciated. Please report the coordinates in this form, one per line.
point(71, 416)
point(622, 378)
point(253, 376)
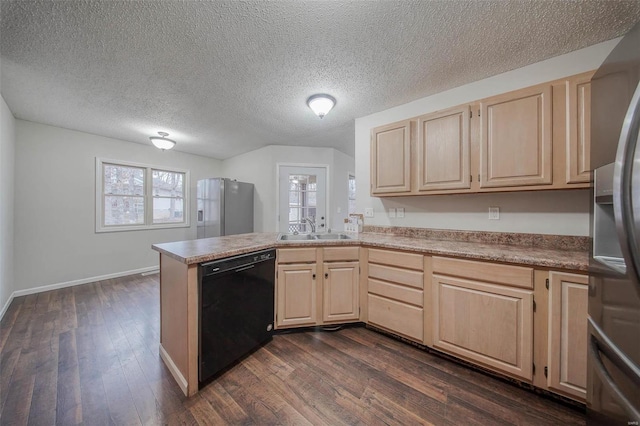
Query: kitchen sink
point(333, 237)
point(296, 237)
point(306, 237)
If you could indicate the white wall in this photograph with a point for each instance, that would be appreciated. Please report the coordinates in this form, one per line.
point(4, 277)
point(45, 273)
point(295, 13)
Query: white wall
point(545, 212)
point(260, 168)
point(7, 156)
point(55, 238)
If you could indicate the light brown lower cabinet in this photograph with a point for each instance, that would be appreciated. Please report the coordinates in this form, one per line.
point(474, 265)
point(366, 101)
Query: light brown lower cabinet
point(311, 291)
point(482, 312)
point(296, 295)
point(484, 322)
point(395, 298)
point(567, 370)
point(341, 291)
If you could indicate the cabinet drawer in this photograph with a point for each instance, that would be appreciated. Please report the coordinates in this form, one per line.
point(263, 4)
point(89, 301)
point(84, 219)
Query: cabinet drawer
point(517, 276)
point(332, 254)
point(396, 316)
point(397, 292)
point(397, 275)
point(297, 255)
point(388, 257)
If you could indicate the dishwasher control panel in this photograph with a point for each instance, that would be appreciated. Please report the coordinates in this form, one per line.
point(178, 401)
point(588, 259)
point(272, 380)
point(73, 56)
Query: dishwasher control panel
point(234, 262)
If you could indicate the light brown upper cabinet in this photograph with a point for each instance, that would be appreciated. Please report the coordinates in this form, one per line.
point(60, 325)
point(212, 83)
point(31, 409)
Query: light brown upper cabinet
point(537, 138)
point(578, 127)
point(444, 149)
point(391, 158)
point(515, 138)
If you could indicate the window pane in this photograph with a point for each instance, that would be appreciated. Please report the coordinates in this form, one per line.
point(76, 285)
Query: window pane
point(294, 198)
point(352, 194)
point(352, 187)
point(294, 214)
point(311, 199)
point(168, 184)
point(168, 210)
point(119, 210)
point(123, 180)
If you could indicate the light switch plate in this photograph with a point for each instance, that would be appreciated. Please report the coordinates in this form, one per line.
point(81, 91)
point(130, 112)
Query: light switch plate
point(392, 212)
point(400, 211)
point(368, 212)
point(494, 213)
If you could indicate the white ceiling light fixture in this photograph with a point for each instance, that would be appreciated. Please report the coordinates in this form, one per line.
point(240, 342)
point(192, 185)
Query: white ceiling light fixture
point(321, 104)
point(162, 142)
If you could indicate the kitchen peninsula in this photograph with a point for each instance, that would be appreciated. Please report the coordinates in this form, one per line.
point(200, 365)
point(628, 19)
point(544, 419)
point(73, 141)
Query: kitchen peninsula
point(425, 286)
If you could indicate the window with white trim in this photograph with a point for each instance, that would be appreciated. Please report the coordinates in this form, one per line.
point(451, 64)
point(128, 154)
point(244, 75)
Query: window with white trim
point(352, 194)
point(131, 196)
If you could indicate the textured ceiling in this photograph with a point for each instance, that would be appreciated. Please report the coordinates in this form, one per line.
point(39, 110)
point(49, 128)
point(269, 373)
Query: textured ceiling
point(227, 77)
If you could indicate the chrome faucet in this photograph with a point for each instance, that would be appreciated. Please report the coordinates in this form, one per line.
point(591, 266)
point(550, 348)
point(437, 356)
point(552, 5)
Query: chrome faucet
point(310, 222)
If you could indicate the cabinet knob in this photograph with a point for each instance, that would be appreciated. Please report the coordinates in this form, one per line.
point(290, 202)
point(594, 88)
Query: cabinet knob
point(326, 275)
point(313, 276)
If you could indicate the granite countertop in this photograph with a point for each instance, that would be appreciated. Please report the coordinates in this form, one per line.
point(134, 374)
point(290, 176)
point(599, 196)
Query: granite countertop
point(523, 249)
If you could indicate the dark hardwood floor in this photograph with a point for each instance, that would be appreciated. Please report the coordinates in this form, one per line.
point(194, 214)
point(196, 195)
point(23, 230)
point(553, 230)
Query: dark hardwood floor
point(89, 355)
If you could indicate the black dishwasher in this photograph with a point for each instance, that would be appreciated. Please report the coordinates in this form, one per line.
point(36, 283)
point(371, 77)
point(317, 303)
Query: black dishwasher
point(236, 309)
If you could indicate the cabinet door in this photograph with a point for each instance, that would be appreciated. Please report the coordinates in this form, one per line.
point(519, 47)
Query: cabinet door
point(579, 128)
point(341, 289)
point(296, 289)
point(515, 148)
point(485, 323)
point(568, 295)
point(391, 158)
point(443, 150)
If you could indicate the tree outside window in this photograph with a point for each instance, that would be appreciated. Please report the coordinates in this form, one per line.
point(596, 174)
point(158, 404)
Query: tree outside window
point(134, 196)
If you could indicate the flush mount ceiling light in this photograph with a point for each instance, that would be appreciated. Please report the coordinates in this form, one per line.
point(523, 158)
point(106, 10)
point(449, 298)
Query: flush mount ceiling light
point(162, 142)
point(321, 104)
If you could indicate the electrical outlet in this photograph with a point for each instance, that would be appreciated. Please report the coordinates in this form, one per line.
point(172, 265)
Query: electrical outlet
point(494, 213)
point(368, 212)
point(392, 212)
point(400, 211)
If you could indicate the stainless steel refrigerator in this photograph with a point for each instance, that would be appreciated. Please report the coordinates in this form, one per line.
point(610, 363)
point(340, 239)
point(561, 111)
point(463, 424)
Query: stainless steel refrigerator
point(225, 207)
point(613, 380)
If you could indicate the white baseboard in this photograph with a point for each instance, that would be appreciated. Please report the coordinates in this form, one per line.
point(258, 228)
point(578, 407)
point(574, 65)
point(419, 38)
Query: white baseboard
point(56, 286)
point(173, 369)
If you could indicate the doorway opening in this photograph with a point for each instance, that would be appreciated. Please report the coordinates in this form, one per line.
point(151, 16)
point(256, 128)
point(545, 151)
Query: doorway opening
point(302, 204)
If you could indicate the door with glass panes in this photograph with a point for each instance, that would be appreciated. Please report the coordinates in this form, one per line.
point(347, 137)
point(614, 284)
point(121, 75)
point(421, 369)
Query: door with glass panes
point(302, 195)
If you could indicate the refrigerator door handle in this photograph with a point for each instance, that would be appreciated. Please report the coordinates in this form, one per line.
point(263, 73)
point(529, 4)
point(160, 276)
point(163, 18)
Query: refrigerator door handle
point(622, 188)
point(604, 344)
point(599, 343)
